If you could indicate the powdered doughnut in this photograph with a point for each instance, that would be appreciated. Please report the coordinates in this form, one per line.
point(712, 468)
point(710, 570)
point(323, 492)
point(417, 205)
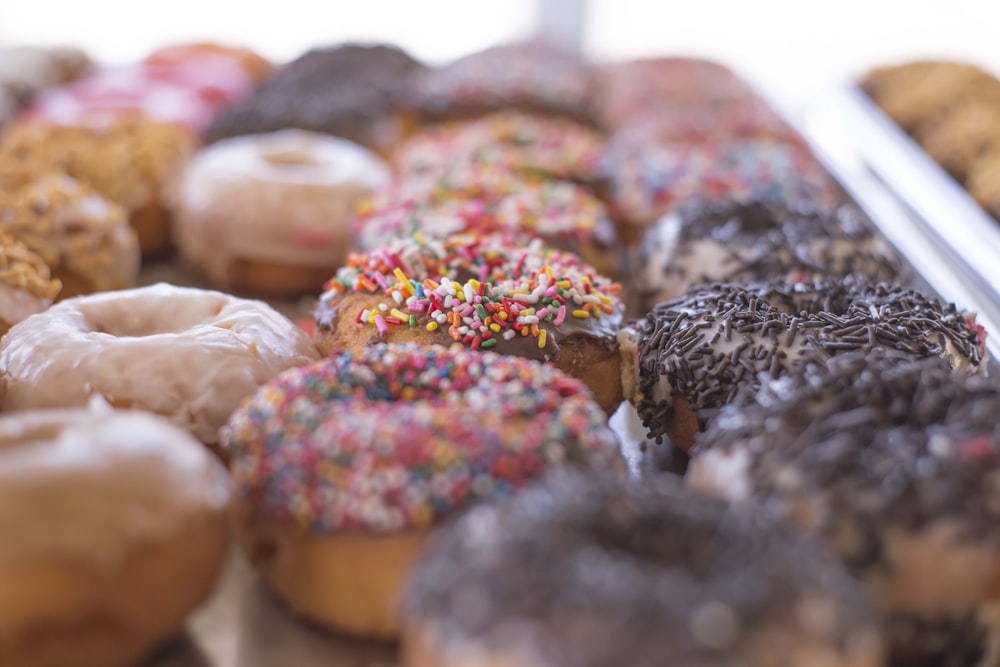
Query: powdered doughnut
point(497, 292)
point(190, 355)
point(585, 571)
point(344, 466)
point(271, 212)
point(113, 529)
point(749, 241)
point(894, 461)
point(689, 356)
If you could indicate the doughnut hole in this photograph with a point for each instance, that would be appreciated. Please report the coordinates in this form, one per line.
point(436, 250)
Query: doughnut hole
point(139, 323)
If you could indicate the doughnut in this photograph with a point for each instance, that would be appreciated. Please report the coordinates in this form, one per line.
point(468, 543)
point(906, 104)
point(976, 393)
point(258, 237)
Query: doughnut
point(894, 462)
point(962, 136)
point(636, 86)
point(113, 529)
point(496, 292)
point(648, 183)
point(536, 77)
point(190, 355)
point(26, 286)
point(26, 71)
point(133, 162)
point(984, 183)
point(347, 91)
point(487, 199)
point(550, 146)
point(710, 241)
point(270, 213)
point(689, 356)
point(343, 467)
point(200, 54)
point(84, 239)
point(586, 571)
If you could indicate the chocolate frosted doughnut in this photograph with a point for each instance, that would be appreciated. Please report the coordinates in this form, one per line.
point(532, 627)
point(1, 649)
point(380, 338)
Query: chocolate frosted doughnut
point(345, 90)
point(584, 571)
point(749, 241)
point(689, 356)
point(531, 76)
point(892, 460)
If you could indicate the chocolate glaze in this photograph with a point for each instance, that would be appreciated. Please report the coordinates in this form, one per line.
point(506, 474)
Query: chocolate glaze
point(718, 338)
point(346, 90)
point(591, 571)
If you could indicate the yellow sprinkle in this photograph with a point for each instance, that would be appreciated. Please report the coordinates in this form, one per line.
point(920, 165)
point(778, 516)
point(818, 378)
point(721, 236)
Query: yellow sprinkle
point(565, 284)
point(460, 294)
point(432, 326)
point(371, 316)
point(581, 314)
point(404, 282)
point(596, 312)
point(541, 338)
point(495, 328)
point(604, 298)
point(548, 272)
point(418, 235)
point(521, 291)
point(527, 311)
point(399, 315)
point(474, 283)
point(502, 315)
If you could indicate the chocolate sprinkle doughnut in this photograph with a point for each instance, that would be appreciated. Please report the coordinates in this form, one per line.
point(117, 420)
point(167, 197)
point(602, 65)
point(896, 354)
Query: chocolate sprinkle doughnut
point(692, 354)
point(892, 460)
point(590, 571)
point(749, 241)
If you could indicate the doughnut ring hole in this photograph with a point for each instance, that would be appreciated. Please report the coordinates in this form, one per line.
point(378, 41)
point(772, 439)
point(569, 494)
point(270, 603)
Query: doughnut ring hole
point(290, 158)
point(142, 322)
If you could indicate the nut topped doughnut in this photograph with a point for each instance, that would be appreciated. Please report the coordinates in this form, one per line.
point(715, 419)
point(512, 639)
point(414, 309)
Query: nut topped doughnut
point(26, 286)
point(895, 462)
point(689, 356)
point(344, 465)
point(748, 241)
point(554, 147)
point(496, 292)
point(586, 571)
point(112, 530)
point(191, 355)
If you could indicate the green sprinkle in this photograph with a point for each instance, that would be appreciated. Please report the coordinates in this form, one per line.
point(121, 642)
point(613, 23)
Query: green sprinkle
point(413, 320)
point(487, 344)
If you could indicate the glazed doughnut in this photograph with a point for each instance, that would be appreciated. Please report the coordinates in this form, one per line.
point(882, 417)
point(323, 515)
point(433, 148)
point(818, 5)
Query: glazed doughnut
point(201, 54)
point(270, 213)
point(343, 467)
point(689, 356)
point(647, 184)
point(535, 77)
point(26, 286)
point(586, 571)
point(894, 462)
point(542, 145)
point(347, 91)
point(85, 240)
point(133, 162)
point(486, 199)
point(710, 241)
point(112, 530)
point(496, 292)
point(187, 354)
point(27, 71)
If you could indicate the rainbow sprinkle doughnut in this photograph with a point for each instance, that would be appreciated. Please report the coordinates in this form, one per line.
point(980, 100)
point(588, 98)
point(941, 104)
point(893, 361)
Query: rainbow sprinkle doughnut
point(398, 436)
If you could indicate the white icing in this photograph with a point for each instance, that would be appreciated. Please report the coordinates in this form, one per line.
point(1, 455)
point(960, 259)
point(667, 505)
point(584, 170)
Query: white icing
point(94, 484)
point(17, 304)
point(190, 355)
point(286, 197)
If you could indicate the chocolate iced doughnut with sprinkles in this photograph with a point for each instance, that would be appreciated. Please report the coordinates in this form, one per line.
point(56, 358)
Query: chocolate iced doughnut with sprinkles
point(689, 356)
point(587, 571)
point(749, 241)
point(343, 467)
point(895, 462)
point(497, 292)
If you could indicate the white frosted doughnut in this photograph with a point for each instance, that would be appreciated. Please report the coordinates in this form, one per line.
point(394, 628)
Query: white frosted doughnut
point(188, 354)
point(282, 198)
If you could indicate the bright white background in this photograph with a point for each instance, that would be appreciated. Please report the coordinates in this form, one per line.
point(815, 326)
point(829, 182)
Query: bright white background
point(791, 47)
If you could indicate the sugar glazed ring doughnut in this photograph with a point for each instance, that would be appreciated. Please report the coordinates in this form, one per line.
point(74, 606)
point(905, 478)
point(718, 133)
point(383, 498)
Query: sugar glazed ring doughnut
point(85, 240)
point(488, 199)
point(26, 286)
point(345, 465)
point(689, 356)
point(584, 571)
point(495, 293)
point(113, 530)
point(894, 462)
point(187, 354)
point(750, 241)
point(270, 213)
